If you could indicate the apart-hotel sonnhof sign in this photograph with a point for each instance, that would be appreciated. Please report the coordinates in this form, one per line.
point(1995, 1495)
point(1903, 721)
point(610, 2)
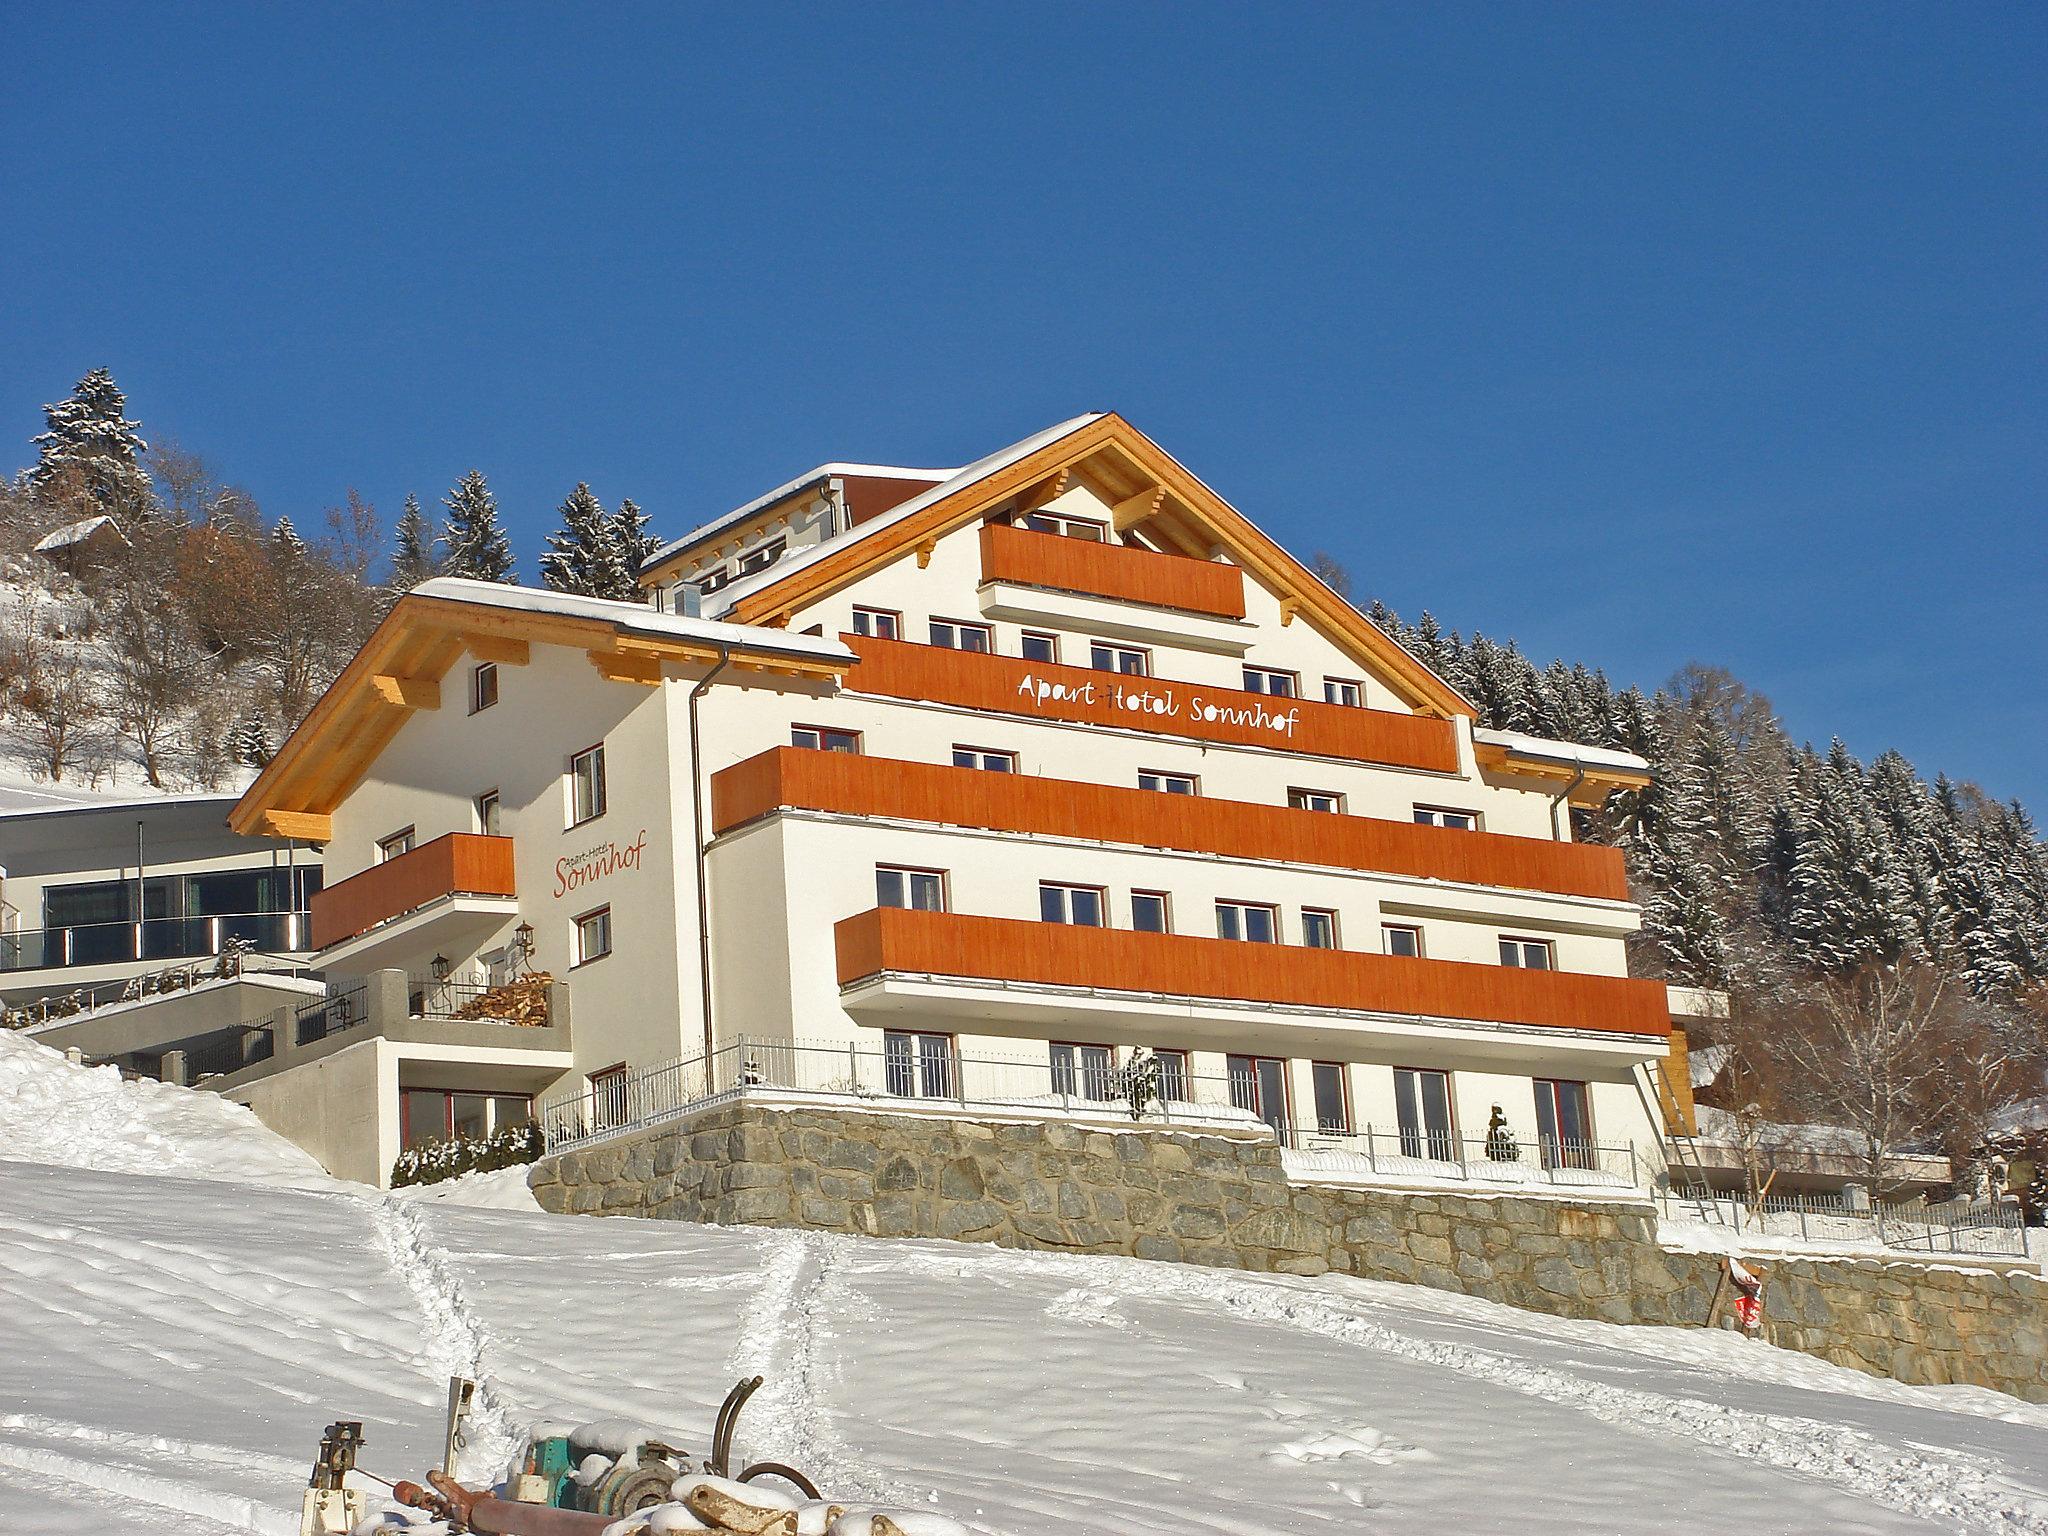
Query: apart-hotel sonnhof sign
point(979, 787)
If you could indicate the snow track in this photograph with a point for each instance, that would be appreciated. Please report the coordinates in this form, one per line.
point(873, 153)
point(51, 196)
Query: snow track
point(457, 1343)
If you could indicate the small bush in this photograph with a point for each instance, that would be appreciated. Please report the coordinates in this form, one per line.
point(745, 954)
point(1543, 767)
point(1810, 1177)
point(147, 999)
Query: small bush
point(450, 1159)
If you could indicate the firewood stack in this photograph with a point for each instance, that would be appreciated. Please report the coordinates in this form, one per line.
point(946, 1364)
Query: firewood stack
point(524, 1001)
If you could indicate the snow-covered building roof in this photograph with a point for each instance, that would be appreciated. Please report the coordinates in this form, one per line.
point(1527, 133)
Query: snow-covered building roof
point(810, 479)
point(87, 530)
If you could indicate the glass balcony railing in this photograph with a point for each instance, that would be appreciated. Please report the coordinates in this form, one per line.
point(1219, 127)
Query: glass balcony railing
point(152, 938)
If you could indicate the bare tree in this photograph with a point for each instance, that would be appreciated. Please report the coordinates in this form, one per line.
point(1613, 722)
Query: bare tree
point(1884, 1052)
point(158, 663)
point(60, 700)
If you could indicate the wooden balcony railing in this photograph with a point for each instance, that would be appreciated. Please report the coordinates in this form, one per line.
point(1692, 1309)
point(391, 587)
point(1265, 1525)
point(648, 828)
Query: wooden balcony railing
point(1116, 571)
point(462, 863)
point(798, 778)
point(901, 669)
point(890, 939)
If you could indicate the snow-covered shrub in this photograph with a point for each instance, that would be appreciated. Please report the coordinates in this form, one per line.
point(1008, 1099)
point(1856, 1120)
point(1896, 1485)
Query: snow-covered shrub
point(451, 1158)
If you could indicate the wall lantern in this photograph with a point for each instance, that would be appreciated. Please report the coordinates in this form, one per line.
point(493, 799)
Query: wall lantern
point(440, 967)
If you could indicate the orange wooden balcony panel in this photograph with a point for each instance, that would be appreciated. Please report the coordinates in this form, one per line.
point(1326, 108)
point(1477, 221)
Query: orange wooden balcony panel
point(801, 778)
point(1173, 965)
point(464, 863)
point(901, 669)
point(1117, 571)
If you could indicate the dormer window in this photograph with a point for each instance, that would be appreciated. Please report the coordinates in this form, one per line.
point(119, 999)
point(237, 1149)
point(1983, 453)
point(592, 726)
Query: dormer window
point(760, 558)
point(710, 581)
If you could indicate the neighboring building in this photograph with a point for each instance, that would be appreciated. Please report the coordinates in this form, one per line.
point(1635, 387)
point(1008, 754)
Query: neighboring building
point(971, 789)
point(97, 894)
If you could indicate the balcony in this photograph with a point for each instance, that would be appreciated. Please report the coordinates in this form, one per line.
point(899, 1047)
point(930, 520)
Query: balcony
point(455, 888)
point(799, 779)
point(992, 971)
point(1115, 571)
point(1035, 690)
point(78, 946)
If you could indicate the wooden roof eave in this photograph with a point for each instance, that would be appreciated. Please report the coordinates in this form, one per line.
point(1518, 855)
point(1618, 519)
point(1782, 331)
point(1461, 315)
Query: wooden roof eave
point(1133, 460)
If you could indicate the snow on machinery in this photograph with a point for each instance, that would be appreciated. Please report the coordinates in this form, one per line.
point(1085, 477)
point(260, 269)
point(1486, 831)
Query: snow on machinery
point(607, 1477)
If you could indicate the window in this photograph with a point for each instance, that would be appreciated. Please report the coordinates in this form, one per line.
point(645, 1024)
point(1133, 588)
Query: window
point(586, 786)
point(1080, 905)
point(1316, 800)
point(761, 558)
point(1564, 1124)
point(1169, 783)
point(986, 758)
point(1084, 1071)
point(1333, 1103)
point(1173, 1075)
point(1422, 1106)
point(487, 814)
point(1339, 690)
point(1066, 527)
point(877, 623)
point(1437, 816)
point(1150, 912)
point(593, 936)
point(708, 582)
point(608, 1097)
point(1128, 660)
point(1529, 954)
point(436, 1114)
point(1318, 928)
point(1040, 646)
point(955, 636)
point(1281, 685)
point(1248, 920)
point(917, 1066)
point(389, 848)
point(483, 686)
point(922, 890)
point(1402, 939)
point(1259, 1084)
point(824, 739)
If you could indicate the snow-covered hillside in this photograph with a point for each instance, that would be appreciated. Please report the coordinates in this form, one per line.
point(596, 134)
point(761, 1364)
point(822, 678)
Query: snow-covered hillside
point(174, 1345)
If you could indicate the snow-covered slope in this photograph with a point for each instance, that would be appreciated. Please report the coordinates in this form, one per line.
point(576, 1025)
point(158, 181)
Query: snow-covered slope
point(173, 1347)
point(87, 1117)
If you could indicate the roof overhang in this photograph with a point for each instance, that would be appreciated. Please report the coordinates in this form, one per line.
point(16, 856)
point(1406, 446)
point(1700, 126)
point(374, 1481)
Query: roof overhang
point(399, 668)
point(1586, 774)
point(1148, 489)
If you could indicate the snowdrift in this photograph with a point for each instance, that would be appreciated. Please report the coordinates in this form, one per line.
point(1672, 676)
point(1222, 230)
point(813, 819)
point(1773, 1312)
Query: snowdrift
point(53, 1111)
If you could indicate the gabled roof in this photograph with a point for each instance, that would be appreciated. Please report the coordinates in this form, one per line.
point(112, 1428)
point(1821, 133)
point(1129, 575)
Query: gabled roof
point(1151, 488)
point(399, 668)
point(809, 480)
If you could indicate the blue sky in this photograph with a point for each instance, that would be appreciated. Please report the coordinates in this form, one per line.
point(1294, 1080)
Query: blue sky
point(1642, 335)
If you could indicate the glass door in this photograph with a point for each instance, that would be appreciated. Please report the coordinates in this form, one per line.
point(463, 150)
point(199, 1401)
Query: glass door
point(1259, 1084)
point(1564, 1123)
point(1422, 1102)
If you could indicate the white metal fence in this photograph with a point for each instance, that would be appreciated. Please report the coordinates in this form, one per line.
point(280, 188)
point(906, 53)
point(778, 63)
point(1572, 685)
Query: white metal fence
point(909, 1072)
point(1382, 1152)
point(1907, 1226)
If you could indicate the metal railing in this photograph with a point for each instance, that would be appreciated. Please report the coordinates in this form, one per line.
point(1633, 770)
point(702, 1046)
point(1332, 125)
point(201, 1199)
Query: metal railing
point(1381, 1152)
point(149, 938)
point(1903, 1226)
point(459, 997)
point(342, 1009)
point(226, 1051)
point(910, 1073)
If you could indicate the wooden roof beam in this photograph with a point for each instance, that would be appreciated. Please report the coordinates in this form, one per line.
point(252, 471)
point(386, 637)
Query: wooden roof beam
point(1133, 510)
point(300, 826)
point(502, 649)
point(407, 692)
point(624, 667)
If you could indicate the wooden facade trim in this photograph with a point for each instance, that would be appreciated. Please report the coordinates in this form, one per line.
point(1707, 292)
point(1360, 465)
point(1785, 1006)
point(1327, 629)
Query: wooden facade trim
point(1033, 690)
point(461, 863)
point(799, 778)
point(891, 939)
point(1116, 571)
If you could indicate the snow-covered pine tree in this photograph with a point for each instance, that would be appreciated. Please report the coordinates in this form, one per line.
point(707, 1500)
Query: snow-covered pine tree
point(583, 555)
point(286, 538)
point(251, 742)
point(92, 446)
point(636, 544)
point(412, 555)
point(1846, 904)
point(476, 544)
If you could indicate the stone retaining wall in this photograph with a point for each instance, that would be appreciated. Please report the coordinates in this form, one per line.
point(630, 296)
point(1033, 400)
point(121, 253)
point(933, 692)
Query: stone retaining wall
point(1226, 1201)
